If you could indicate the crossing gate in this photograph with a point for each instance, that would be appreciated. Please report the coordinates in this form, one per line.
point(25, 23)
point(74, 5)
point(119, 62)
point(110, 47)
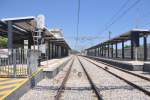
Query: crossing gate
point(17, 62)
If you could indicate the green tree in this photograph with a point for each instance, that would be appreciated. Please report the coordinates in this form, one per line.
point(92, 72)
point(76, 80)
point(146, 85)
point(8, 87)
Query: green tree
point(127, 46)
point(3, 41)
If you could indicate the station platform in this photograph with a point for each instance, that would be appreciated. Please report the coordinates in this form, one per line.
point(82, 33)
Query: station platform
point(13, 88)
point(127, 64)
point(52, 67)
point(8, 85)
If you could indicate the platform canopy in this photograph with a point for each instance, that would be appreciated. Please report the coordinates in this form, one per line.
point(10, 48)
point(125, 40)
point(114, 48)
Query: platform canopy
point(24, 28)
point(16, 31)
point(124, 37)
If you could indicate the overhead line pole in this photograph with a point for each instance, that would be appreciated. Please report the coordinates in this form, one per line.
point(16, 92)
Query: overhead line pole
point(78, 20)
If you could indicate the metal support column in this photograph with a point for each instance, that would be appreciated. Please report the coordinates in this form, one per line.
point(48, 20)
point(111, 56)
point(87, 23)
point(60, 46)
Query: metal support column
point(98, 51)
point(29, 44)
point(132, 50)
point(122, 49)
point(64, 51)
point(116, 51)
point(145, 47)
point(105, 50)
point(108, 50)
point(111, 50)
point(61, 51)
point(67, 52)
point(52, 49)
point(48, 51)
point(56, 51)
point(134, 45)
point(102, 50)
point(95, 52)
point(10, 35)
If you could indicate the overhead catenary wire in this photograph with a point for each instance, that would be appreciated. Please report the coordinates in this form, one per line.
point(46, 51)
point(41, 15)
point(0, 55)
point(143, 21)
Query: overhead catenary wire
point(122, 14)
point(117, 13)
point(77, 27)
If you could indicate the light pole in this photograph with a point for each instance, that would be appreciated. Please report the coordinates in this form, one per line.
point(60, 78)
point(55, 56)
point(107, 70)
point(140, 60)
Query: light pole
point(109, 35)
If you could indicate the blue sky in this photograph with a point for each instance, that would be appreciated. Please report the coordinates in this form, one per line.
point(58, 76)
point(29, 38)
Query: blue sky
point(94, 15)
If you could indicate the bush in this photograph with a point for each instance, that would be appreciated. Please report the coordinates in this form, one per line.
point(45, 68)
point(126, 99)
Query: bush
point(3, 41)
point(127, 46)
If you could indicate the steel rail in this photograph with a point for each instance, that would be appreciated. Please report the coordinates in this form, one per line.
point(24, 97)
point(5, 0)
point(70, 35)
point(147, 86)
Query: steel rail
point(62, 86)
point(91, 82)
point(126, 71)
point(128, 82)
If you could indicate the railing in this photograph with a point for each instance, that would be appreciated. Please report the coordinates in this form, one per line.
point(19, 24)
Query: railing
point(15, 63)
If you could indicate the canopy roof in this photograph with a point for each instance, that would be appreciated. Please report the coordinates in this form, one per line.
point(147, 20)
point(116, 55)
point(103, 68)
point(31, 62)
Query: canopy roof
point(124, 37)
point(23, 28)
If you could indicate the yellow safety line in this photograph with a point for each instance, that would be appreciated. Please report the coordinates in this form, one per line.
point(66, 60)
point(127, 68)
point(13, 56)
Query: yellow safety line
point(4, 79)
point(11, 81)
point(4, 92)
point(8, 86)
point(34, 73)
point(17, 86)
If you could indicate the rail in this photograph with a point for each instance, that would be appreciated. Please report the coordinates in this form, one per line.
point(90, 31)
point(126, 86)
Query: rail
point(91, 82)
point(59, 91)
point(125, 80)
point(126, 71)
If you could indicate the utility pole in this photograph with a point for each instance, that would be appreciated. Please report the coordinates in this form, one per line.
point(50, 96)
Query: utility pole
point(109, 35)
point(109, 40)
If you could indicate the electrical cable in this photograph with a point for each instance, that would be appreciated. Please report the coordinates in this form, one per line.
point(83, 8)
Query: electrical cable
point(122, 14)
point(78, 21)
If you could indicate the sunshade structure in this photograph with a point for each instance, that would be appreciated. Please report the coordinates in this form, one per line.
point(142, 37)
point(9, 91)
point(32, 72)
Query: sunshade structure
point(20, 29)
point(25, 28)
point(133, 35)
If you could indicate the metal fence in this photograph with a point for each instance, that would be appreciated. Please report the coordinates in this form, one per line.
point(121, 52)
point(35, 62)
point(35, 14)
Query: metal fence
point(14, 63)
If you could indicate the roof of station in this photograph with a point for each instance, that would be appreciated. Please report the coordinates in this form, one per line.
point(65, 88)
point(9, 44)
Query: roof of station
point(24, 28)
point(124, 37)
point(25, 24)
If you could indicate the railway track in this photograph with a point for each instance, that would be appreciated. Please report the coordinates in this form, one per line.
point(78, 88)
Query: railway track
point(113, 70)
point(95, 89)
point(83, 80)
point(126, 71)
point(62, 86)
